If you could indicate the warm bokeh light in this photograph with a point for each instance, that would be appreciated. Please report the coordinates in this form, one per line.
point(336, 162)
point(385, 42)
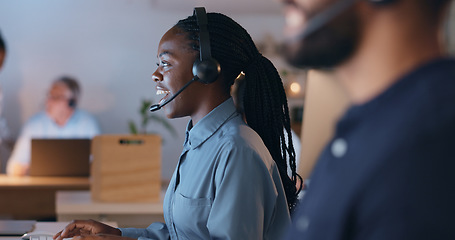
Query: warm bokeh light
point(295, 88)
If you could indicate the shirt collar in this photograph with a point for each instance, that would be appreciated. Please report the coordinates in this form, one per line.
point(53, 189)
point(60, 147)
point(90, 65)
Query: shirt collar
point(208, 125)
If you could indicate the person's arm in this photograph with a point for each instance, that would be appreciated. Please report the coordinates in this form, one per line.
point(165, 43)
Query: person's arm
point(19, 161)
point(155, 231)
point(246, 203)
point(88, 125)
point(94, 128)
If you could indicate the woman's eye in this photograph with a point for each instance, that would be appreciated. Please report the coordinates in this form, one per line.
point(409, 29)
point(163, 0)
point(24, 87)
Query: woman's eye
point(164, 64)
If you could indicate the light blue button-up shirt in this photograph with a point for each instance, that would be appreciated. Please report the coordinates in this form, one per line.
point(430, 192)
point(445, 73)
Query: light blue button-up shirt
point(226, 185)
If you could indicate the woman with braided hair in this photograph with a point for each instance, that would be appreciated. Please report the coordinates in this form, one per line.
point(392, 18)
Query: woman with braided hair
point(231, 180)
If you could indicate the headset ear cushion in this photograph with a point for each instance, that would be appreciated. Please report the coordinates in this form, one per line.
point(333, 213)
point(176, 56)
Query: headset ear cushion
point(72, 103)
point(207, 70)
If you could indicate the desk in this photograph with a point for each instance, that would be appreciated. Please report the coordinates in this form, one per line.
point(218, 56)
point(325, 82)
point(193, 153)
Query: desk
point(51, 227)
point(34, 197)
point(79, 205)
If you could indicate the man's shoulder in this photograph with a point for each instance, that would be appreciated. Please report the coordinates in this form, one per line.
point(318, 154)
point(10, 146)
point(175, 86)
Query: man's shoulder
point(84, 115)
point(86, 119)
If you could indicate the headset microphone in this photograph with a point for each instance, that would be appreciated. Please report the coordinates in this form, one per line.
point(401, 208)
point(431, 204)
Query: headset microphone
point(156, 107)
point(328, 14)
point(321, 19)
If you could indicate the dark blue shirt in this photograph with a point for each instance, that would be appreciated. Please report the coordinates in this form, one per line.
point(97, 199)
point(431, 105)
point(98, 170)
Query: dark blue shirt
point(389, 171)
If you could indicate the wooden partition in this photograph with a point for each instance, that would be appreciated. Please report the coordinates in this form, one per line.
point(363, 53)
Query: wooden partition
point(126, 168)
point(325, 102)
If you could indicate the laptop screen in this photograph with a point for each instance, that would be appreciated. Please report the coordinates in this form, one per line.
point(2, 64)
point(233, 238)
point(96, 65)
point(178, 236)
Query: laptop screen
point(60, 157)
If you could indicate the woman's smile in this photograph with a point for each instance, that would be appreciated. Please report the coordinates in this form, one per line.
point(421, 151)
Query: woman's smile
point(160, 91)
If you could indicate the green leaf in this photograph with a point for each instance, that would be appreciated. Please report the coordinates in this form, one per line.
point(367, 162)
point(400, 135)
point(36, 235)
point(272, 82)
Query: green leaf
point(145, 107)
point(132, 126)
point(147, 117)
point(145, 121)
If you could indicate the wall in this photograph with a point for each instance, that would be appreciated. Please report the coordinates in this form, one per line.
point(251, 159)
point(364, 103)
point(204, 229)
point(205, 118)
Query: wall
point(109, 45)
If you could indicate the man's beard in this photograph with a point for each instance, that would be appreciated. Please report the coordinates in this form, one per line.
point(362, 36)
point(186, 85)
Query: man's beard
point(327, 47)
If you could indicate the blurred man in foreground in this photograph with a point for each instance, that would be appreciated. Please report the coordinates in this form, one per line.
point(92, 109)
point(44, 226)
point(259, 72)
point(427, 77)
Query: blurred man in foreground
point(388, 171)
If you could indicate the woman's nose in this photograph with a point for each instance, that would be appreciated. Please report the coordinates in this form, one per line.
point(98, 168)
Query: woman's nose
point(156, 76)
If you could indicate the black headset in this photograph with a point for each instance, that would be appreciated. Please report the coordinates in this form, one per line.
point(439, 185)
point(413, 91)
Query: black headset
point(72, 103)
point(73, 86)
point(206, 68)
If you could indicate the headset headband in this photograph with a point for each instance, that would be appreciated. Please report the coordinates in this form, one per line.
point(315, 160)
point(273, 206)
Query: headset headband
point(204, 39)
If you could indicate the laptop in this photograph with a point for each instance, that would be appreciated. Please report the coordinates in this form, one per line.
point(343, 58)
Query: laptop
point(60, 157)
point(16, 227)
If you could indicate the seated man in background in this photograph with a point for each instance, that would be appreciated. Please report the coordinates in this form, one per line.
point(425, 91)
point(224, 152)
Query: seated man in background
point(60, 120)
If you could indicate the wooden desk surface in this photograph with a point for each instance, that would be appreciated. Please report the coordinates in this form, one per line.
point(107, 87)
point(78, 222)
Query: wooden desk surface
point(33, 198)
point(79, 205)
point(40, 182)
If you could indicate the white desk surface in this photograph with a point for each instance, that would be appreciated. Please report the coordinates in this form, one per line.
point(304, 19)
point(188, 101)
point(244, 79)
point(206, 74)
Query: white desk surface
point(80, 202)
point(52, 227)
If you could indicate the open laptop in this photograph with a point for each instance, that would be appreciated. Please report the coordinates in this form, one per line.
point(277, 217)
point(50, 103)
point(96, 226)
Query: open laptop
point(16, 227)
point(60, 157)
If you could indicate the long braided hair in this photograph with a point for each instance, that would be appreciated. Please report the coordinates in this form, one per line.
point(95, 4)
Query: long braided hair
point(264, 99)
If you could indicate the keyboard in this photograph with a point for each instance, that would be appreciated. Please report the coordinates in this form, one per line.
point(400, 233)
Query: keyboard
point(41, 237)
point(38, 235)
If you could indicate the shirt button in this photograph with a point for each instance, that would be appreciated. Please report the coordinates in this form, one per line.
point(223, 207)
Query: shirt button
point(302, 224)
point(339, 147)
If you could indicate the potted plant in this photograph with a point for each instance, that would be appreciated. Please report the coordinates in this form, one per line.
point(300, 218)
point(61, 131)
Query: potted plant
point(146, 118)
